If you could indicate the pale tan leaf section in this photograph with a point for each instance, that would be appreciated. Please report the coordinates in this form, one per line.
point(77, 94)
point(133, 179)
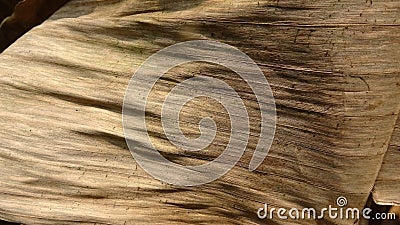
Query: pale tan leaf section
point(333, 67)
point(387, 186)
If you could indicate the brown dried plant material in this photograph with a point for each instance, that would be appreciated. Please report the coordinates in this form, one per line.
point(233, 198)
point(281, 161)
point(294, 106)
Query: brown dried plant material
point(25, 15)
point(333, 67)
point(7, 8)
